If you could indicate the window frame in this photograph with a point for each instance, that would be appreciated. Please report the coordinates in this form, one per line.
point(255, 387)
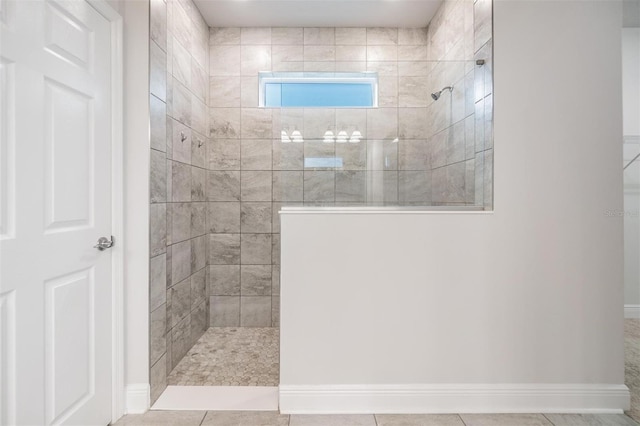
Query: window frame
point(367, 77)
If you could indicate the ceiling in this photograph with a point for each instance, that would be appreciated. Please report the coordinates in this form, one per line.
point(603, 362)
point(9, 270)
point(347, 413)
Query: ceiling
point(318, 13)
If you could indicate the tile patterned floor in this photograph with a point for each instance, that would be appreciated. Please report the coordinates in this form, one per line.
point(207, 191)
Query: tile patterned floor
point(257, 418)
point(226, 356)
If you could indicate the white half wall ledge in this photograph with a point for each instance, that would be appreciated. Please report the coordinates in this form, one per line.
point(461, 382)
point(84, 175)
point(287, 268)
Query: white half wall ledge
point(632, 311)
point(137, 398)
point(454, 398)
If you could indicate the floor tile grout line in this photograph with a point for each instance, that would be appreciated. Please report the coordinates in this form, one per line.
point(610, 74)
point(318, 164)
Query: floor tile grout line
point(461, 419)
point(547, 418)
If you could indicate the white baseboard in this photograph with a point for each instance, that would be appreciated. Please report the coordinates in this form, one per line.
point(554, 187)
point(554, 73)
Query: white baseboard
point(138, 398)
point(454, 398)
point(632, 311)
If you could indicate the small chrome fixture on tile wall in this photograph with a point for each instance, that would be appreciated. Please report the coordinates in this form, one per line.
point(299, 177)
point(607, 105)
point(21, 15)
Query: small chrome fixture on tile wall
point(183, 137)
point(480, 62)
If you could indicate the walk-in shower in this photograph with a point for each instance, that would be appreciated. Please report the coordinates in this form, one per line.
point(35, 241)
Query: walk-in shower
point(248, 120)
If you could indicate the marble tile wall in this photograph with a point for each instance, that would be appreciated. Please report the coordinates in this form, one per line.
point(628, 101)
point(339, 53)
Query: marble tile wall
point(179, 69)
point(460, 123)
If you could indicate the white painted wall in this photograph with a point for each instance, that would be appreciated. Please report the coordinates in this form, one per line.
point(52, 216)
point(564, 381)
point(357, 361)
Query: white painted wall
point(527, 296)
point(136, 128)
point(631, 131)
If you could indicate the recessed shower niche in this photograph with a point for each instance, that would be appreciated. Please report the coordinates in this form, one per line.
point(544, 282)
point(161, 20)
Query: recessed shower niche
point(233, 140)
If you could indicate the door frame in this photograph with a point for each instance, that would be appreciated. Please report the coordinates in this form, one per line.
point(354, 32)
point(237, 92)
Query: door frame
point(117, 206)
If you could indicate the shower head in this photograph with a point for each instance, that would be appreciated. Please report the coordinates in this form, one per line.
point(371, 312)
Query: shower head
point(436, 95)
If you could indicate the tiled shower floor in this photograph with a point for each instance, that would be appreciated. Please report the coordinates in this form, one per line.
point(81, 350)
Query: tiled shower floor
point(229, 356)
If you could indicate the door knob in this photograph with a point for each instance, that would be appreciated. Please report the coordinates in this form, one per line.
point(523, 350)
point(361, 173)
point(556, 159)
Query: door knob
point(104, 243)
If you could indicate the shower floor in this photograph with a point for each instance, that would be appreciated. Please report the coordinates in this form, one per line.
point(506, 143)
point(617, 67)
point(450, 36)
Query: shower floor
point(229, 356)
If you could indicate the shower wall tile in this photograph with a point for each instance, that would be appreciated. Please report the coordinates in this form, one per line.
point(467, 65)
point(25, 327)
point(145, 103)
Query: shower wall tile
point(255, 35)
point(319, 36)
point(255, 311)
point(180, 222)
point(158, 23)
point(157, 71)
point(158, 123)
point(287, 156)
point(319, 186)
point(180, 182)
point(412, 123)
point(351, 36)
point(224, 123)
point(180, 305)
point(224, 280)
point(181, 63)
point(198, 182)
point(198, 288)
point(287, 53)
point(198, 219)
point(256, 123)
point(224, 60)
point(224, 154)
point(199, 321)
point(223, 186)
point(158, 225)
point(180, 261)
point(275, 279)
point(249, 92)
point(255, 217)
point(198, 255)
point(354, 156)
point(180, 103)
point(413, 155)
point(178, 161)
point(275, 249)
point(413, 92)
point(256, 280)
point(157, 333)
point(256, 186)
point(224, 249)
point(158, 180)
point(255, 249)
point(180, 340)
point(199, 81)
point(223, 217)
point(255, 154)
point(350, 186)
point(287, 36)
point(158, 281)
point(319, 53)
point(382, 53)
point(225, 311)
point(158, 378)
point(413, 36)
point(288, 186)
point(275, 311)
point(414, 186)
point(224, 91)
point(382, 36)
point(224, 36)
point(482, 22)
point(254, 59)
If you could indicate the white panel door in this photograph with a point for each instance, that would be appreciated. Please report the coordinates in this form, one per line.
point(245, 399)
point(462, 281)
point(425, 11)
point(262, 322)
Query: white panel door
point(55, 202)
